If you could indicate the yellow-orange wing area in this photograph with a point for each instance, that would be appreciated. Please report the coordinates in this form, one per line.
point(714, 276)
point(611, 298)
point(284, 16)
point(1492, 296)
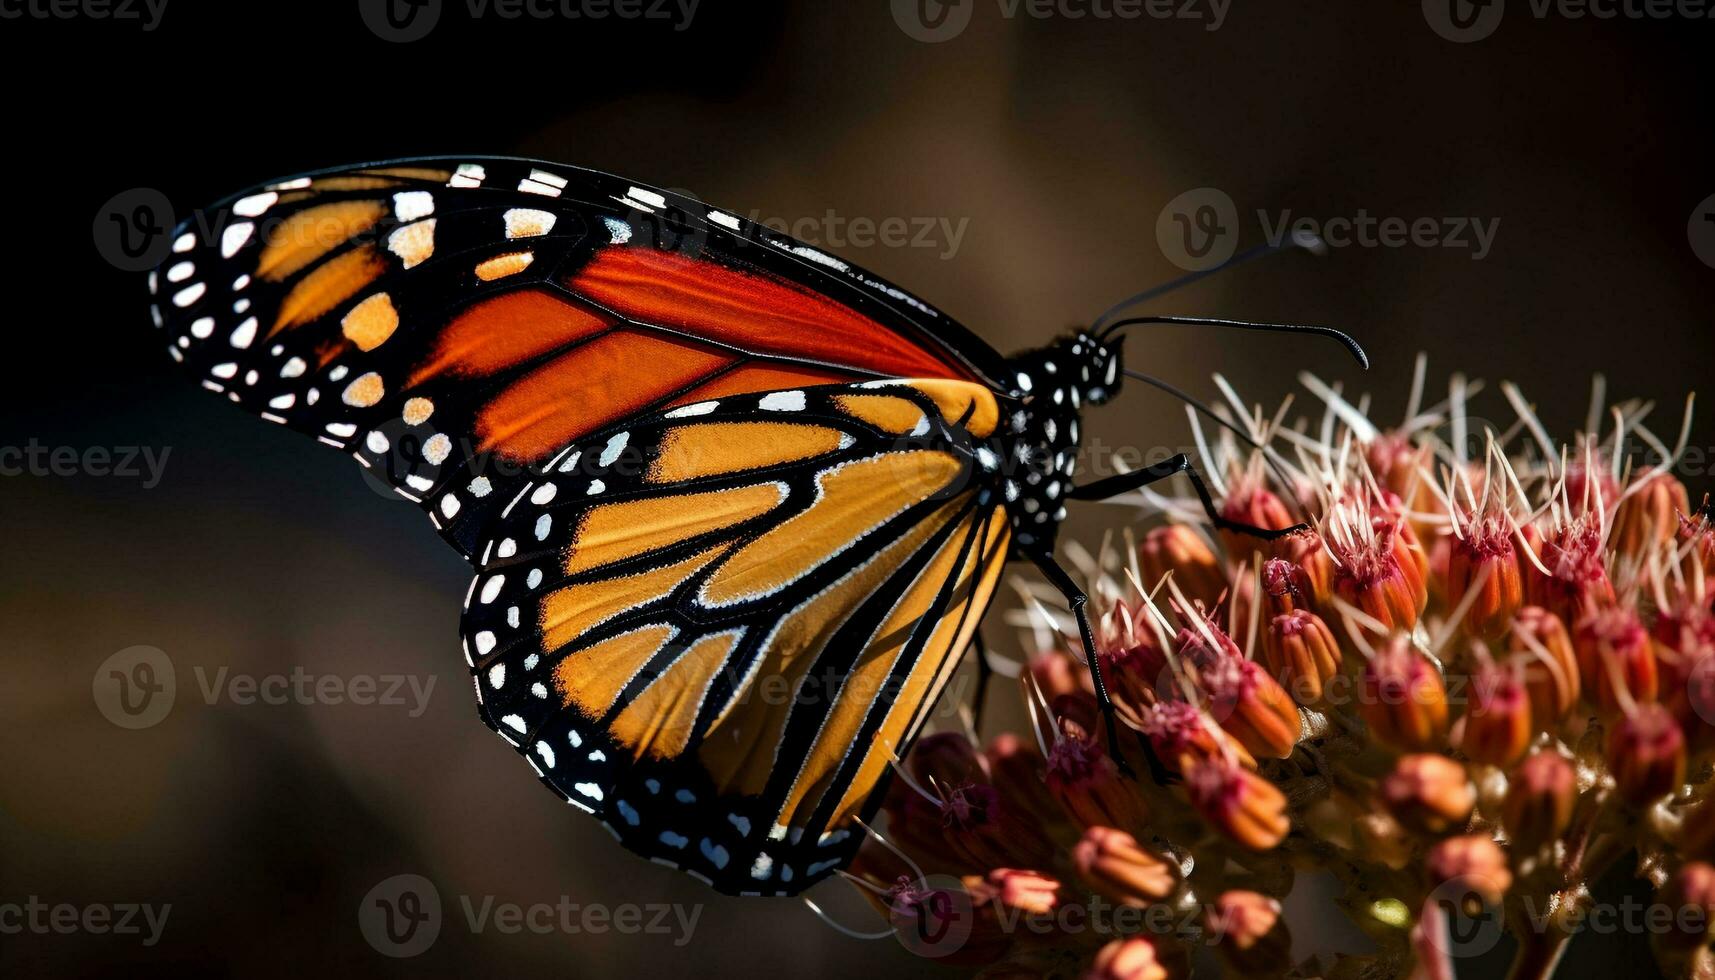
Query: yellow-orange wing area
point(714, 628)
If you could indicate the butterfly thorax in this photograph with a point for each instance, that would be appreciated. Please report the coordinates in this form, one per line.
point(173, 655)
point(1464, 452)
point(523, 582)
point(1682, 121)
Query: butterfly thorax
point(1039, 441)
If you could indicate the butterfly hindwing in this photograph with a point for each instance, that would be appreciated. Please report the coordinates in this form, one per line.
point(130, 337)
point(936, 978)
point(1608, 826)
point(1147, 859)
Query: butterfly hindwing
point(451, 323)
point(714, 627)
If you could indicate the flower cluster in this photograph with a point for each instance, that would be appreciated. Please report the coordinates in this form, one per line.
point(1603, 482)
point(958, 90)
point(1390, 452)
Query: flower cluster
point(1484, 677)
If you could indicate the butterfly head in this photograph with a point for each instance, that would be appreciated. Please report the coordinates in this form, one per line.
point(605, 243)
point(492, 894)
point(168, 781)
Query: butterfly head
point(1078, 369)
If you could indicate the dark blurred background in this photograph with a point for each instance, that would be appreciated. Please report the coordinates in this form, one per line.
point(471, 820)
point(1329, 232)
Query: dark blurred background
point(1041, 150)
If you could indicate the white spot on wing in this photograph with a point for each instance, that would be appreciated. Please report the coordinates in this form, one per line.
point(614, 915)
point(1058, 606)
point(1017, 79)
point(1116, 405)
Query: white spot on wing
point(782, 401)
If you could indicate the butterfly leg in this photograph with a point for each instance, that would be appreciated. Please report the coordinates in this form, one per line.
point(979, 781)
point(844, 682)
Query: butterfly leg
point(1113, 486)
point(1077, 599)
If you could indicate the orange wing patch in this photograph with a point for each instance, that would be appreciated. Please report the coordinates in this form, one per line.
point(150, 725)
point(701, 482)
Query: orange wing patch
point(661, 720)
point(328, 285)
point(506, 330)
point(613, 533)
point(570, 612)
point(750, 310)
point(690, 452)
point(855, 498)
point(305, 236)
point(588, 388)
point(592, 677)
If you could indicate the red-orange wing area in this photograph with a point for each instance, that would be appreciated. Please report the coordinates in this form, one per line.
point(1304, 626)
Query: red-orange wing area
point(640, 329)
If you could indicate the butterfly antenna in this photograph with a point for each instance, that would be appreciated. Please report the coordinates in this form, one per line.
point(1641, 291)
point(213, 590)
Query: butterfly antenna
point(1345, 339)
point(840, 927)
point(1268, 455)
point(1304, 241)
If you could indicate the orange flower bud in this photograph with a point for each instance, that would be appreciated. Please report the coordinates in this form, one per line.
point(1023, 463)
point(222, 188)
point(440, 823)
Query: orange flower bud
point(1486, 549)
point(1133, 664)
point(1252, 708)
point(1428, 793)
point(1473, 864)
point(1315, 566)
point(1540, 796)
point(1090, 788)
point(1302, 652)
point(1179, 549)
point(1382, 570)
point(1646, 754)
point(1257, 506)
point(1139, 958)
point(1285, 587)
point(1497, 728)
point(1239, 803)
point(1577, 577)
point(1179, 734)
point(1206, 644)
point(1395, 460)
point(1551, 680)
point(1690, 893)
point(1115, 865)
point(1404, 699)
point(1031, 892)
point(1649, 517)
point(1614, 648)
point(1248, 928)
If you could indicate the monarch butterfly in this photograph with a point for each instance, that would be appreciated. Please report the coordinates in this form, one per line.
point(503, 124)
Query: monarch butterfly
point(696, 463)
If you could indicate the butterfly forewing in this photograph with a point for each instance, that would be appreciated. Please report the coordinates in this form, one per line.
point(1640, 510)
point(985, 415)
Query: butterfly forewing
point(452, 323)
point(716, 627)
